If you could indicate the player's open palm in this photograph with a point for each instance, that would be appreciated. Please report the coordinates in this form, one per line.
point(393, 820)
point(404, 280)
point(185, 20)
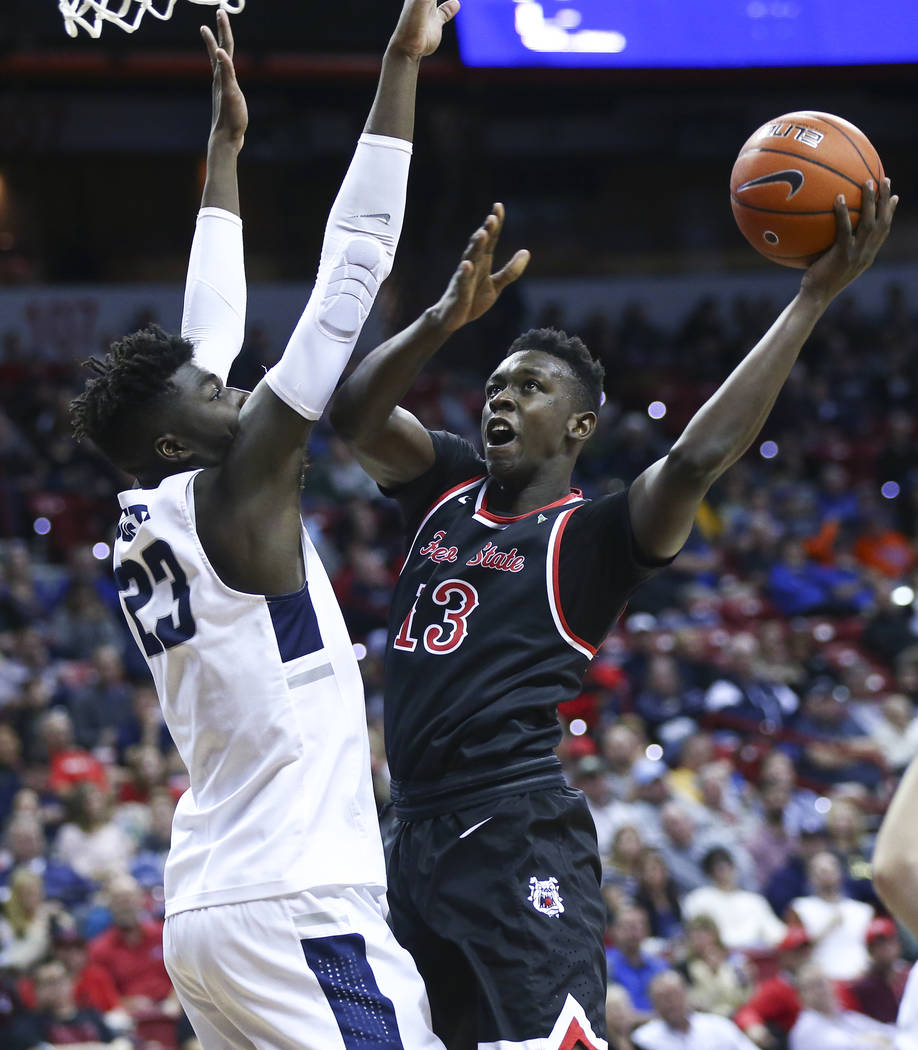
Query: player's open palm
point(420, 26)
point(474, 288)
point(230, 113)
point(853, 251)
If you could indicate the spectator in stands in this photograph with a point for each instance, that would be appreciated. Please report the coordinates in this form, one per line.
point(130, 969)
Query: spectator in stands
point(718, 980)
point(679, 847)
point(620, 1018)
point(82, 623)
point(656, 893)
point(98, 708)
point(770, 845)
point(878, 992)
point(68, 764)
point(131, 950)
point(678, 1027)
point(836, 924)
point(742, 698)
point(896, 731)
point(836, 747)
point(621, 748)
point(792, 879)
point(620, 867)
point(26, 848)
point(880, 546)
point(824, 1025)
point(772, 1010)
point(847, 832)
point(745, 919)
point(609, 813)
point(798, 586)
point(695, 752)
point(91, 842)
point(27, 922)
point(664, 696)
point(57, 1019)
point(801, 810)
point(627, 963)
point(651, 793)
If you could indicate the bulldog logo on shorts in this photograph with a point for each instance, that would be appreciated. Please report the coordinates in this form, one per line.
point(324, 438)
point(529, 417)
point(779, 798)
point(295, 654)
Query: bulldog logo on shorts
point(545, 896)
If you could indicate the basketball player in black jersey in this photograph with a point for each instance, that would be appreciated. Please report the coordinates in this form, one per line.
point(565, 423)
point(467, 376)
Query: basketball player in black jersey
point(510, 584)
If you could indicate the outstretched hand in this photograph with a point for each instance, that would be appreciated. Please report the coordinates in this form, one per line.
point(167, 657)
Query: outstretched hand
point(853, 252)
point(420, 26)
point(230, 115)
point(474, 289)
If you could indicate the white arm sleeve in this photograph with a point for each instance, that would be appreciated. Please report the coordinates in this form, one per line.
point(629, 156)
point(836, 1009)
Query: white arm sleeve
point(213, 318)
point(357, 255)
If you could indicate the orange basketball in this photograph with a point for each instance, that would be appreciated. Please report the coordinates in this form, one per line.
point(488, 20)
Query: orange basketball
point(787, 176)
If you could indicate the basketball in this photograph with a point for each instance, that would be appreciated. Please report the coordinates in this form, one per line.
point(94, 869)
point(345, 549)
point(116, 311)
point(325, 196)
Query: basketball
point(787, 176)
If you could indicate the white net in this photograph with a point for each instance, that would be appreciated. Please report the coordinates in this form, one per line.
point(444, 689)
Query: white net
point(91, 15)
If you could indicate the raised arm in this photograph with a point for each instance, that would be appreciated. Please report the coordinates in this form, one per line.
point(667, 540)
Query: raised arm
point(665, 499)
point(260, 477)
point(390, 443)
point(213, 317)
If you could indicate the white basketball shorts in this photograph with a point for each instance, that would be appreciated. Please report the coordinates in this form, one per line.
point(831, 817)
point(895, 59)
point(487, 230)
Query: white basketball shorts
point(313, 971)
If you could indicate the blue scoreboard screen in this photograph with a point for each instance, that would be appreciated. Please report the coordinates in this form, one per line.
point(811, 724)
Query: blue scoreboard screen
point(687, 34)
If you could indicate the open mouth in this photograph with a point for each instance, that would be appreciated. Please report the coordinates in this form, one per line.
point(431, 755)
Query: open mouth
point(499, 432)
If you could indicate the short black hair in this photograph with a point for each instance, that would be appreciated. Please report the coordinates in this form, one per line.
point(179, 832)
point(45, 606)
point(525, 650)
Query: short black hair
point(132, 377)
point(714, 856)
point(573, 351)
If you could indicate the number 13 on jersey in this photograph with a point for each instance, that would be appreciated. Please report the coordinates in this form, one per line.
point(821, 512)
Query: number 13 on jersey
point(449, 634)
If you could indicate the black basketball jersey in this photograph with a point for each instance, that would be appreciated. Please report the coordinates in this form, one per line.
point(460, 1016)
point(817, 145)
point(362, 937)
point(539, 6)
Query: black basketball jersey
point(495, 619)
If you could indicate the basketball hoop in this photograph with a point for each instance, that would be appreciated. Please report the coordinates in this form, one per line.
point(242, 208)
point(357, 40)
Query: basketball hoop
point(91, 15)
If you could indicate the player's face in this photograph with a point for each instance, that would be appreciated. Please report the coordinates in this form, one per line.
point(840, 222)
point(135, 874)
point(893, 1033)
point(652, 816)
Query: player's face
point(529, 412)
point(203, 415)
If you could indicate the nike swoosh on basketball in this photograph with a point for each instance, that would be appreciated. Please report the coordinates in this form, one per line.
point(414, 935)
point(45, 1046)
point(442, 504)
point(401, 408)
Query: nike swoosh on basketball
point(465, 834)
point(791, 176)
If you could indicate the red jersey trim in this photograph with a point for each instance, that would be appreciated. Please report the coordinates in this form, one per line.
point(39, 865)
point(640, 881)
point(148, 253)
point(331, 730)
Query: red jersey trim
point(490, 518)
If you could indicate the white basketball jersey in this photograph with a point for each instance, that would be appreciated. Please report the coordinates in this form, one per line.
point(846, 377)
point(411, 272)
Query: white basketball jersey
point(264, 700)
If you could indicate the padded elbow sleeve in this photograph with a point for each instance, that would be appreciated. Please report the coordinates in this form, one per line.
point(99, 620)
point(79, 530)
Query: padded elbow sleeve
point(323, 340)
point(357, 255)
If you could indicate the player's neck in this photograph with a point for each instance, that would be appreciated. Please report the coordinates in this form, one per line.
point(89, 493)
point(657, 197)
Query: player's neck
point(510, 499)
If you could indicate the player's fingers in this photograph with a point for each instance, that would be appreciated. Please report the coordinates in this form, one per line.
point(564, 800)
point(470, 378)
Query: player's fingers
point(868, 206)
point(448, 11)
point(226, 32)
point(477, 241)
point(842, 220)
point(513, 271)
point(211, 44)
point(227, 69)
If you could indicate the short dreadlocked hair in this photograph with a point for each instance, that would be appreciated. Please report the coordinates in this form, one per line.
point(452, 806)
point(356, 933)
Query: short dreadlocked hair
point(131, 379)
point(573, 351)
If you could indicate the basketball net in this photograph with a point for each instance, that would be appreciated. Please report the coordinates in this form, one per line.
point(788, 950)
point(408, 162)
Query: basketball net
point(91, 15)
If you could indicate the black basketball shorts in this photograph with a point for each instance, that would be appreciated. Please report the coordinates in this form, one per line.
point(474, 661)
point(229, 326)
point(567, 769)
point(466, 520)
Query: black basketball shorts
point(500, 907)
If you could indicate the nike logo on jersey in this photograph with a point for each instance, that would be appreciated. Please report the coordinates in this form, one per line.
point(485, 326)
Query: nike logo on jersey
point(791, 176)
point(383, 216)
point(463, 499)
point(540, 519)
point(465, 834)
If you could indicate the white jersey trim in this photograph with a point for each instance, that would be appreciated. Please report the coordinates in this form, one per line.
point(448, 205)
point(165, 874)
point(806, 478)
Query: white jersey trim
point(452, 493)
point(554, 598)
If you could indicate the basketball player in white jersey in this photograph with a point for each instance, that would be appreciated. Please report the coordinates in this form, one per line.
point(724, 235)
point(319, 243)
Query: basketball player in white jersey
point(275, 934)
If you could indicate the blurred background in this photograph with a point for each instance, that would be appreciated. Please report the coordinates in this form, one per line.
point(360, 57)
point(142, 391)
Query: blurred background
point(789, 625)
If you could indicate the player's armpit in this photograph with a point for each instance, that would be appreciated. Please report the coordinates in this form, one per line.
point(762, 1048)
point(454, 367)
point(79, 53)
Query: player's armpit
point(398, 453)
point(663, 502)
